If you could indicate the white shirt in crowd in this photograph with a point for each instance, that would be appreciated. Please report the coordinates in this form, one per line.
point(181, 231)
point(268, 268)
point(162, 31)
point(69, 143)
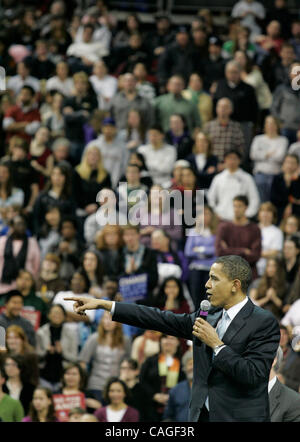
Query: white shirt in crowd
point(292, 316)
point(271, 239)
point(295, 149)
point(16, 82)
point(115, 416)
point(256, 9)
point(160, 162)
point(268, 153)
point(105, 89)
point(225, 186)
point(65, 87)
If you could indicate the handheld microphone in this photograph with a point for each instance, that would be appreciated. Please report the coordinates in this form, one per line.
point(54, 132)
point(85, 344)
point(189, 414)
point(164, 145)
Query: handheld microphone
point(2, 338)
point(204, 307)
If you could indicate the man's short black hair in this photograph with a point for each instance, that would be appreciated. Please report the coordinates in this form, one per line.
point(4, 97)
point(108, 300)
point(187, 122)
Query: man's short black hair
point(243, 199)
point(236, 267)
point(12, 293)
point(29, 88)
point(233, 151)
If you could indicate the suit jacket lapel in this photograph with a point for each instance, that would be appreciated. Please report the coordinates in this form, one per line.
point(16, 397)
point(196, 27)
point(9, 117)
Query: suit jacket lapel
point(238, 322)
point(274, 397)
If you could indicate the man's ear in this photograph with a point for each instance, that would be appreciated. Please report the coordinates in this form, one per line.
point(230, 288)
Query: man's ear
point(236, 286)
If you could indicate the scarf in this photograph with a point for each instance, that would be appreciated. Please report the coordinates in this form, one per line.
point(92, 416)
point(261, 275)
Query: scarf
point(12, 264)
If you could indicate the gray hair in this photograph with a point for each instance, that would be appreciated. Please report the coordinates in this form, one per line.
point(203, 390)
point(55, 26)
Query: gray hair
point(279, 359)
point(61, 141)
point(188, 355)
point(233, 63)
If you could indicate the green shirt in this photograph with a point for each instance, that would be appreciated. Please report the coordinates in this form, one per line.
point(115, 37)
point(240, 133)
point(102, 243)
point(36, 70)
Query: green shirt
point(11, 410)
point(168, 104)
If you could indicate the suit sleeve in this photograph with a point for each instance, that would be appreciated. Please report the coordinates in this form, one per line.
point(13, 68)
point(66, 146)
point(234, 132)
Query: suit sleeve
point(253, 365)
point(151, 318)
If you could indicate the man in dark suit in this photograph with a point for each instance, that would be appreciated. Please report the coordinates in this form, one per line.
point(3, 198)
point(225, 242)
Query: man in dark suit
point(232, 362)
point(284, 402)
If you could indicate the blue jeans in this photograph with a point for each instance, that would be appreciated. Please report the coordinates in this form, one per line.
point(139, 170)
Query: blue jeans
point(264, 184)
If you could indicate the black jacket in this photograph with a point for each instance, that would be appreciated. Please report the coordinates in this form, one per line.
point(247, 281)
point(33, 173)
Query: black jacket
point(236, 380)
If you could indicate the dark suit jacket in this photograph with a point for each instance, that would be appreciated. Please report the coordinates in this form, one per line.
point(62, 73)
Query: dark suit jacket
point(284, 404)
point(236, 381)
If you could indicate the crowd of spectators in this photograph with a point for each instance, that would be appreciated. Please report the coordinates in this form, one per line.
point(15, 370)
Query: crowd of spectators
point(91, 102)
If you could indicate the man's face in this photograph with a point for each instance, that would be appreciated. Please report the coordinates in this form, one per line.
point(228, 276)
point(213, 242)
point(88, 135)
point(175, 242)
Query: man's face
point(129, 83)
point(296, 30)
point(290, 165)
point(131, 237)
point(223, 109)
point(14, 306)
point(87, 35)
point(232, 161)
point(287, 55)
point(175, 85)
point(25, 97)
point(239, 209)
point(19, 226)
point(232, 74)
point(24, 282)
point(219, 287)
point(182, 38)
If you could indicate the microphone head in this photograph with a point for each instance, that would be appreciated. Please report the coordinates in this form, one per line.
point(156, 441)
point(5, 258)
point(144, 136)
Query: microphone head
point(205, 305)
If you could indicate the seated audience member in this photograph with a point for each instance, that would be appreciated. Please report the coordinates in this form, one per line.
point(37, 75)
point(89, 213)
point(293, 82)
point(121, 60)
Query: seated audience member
point(144, 346)
point(131, 183)
point(40, 155)
point(203, 162)
point(176, 174)
point(57, 345)
point(158, 214)
point(22, 78)
point(116, 396)
point(289, 371)
point(159, 156)
point(177, 408)
point(225, 134)
point(291, 258)
point(68, 248)
point(10, 195)
point(48, 234)
point(58, 191)
point(109, 242)
point(271, 236)
point(213, 65)
point(135, 259)
point(11, 410)
point(17, 252)
point(135, 131)
point(14, 303)
point(49, 282)
point(293, 293)
point(113, 150)
point(202, 99)
point(16, 384)
point(23, 118)
point(82, 325)
point(61, 82)
point(267, 152)
point(73, 381)
point(103, 351)
point(240, 236)
point(90, 178)
point(174, 99)
point(145, 88)
point(159, 373)
point(41, 407)
point(171, 297)
point(104, 85)
point(269, 290)
point(54, 119)
point(290, 226)
point(128, 98)
point(285, 190)
point(24, 175)
point(139, 160)
point(200, 252)
point(26, 285)
point(61, 150)
point(240, 42)
point(179, 136)
point(231, 182)
point(40, 61)
point(17, 343)
point(77, 109)
point(92, 266)
point(132, 24)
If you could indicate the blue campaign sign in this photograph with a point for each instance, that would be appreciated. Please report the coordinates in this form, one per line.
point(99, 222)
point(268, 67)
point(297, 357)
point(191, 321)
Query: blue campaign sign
point(133, 288)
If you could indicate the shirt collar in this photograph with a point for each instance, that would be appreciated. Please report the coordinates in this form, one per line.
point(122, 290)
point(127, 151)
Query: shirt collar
point(233, 311)
point(272, 383)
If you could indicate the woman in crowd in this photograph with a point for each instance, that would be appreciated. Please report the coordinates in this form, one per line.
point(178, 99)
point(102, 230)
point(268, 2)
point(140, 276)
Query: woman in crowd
point(90, 178)
point(109, 241)
point(171, 296)
point(179, 136)
point(138, 158)
point(49, 282)
point(93, 268)
point(59, 192)
point(200, 251)
point(56, 346)
point(42, 407)
point(159, 373)
point(203, 162)
point(17, 385)
point(104, 350)
point(55, 121)
point(291, 251)
point(116, 396)
point(268, 291)
point(9, 195)
point(40, 155)
point(135, 132)
point(267, 151)
point(48, 235)
point(271, 236)
point(17, 343)
point(290, 226)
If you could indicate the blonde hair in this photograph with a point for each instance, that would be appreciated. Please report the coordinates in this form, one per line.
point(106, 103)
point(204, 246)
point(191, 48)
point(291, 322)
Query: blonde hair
point(84, 169)
point(100, 237)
